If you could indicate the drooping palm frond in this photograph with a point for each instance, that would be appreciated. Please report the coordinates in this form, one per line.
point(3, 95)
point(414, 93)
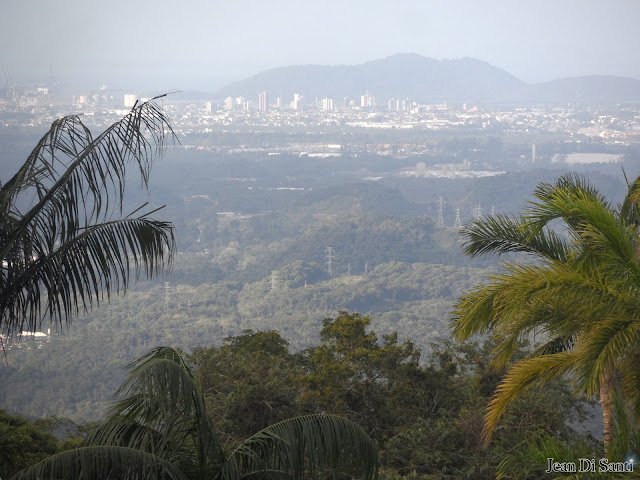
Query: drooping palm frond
point(59, 243)
point(501, 234)
point(563, 200)
point(95, 263)
point(105, 462)
point(522, 376)
point(518, 302)
point(303, 446)
point(163, 411)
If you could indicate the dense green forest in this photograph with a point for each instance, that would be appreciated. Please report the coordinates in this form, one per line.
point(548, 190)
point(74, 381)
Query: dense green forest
point(252, 299)
point(423, 411)
point(264, 266)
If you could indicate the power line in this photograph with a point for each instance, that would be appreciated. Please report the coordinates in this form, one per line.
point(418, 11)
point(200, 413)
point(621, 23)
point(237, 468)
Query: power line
point(458, 222)
point(328, 254)
point(477, 212)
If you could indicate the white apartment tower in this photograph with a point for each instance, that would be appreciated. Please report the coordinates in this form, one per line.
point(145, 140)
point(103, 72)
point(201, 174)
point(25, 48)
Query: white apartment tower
point(297, 101)
point(367, 100)
point(263, 102)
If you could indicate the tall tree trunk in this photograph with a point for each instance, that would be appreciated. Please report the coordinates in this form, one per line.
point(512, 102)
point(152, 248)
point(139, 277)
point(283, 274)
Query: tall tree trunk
point(607, 386)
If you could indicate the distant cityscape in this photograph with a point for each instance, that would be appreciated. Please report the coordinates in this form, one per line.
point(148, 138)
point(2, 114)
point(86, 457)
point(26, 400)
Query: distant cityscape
point(39, 105)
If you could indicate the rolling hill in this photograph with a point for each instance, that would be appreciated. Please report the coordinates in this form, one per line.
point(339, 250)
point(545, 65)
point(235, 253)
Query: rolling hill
point(427, 80)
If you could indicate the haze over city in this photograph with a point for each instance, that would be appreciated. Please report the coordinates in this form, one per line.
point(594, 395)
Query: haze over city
point(205, 45)
point(370, 240)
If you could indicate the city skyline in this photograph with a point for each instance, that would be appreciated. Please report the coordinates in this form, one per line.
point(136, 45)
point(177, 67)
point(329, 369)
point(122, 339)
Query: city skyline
point(201, 45)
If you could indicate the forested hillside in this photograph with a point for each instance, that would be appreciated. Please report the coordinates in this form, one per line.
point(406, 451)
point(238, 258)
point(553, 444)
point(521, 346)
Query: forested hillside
point(253, 237)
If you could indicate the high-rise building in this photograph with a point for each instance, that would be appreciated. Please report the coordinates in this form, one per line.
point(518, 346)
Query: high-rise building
point(297, 101)
point(533, 153)
point(367, 100)
point(327, 104)
point(229, 103)
point(263, 103)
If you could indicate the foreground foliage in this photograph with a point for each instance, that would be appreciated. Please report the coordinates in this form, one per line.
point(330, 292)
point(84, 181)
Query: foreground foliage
point(161, 429)
point(424, 415)
point(62, 243)
point(580, 294)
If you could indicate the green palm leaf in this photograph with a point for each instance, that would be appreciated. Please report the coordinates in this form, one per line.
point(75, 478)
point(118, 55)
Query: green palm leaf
point(304, 445)
point(500, 234)
point(522, 376)
point(104, 462)
point(163, 412)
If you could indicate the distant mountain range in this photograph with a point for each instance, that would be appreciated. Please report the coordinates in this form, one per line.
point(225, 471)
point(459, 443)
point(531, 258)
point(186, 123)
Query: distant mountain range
point(430, 81)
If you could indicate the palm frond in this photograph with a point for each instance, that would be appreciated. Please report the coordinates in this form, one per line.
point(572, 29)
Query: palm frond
point(606, 343)
point(520, 377)
point(304, 445)
point(518, 300)
point(629, 210)
point(473, 313)
point(73, 185)
point(500, 234)
point(563, 200)
point(93, 265)
point(162, 411)
point(109, 462)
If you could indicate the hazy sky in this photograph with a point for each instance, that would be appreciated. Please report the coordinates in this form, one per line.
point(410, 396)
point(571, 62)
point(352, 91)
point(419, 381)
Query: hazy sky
point(203, 44)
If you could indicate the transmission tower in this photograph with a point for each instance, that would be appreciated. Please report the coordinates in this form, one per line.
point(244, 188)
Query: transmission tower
point(493, 210)
point(440, 212)
point(328, 254)
point(274, 280)
point(458, 222)
point(477, 212)
point(366, 267)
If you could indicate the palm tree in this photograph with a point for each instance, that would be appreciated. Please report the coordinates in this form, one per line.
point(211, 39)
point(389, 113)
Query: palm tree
point(63, 241)
point(160, 429)
point(581, 294)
